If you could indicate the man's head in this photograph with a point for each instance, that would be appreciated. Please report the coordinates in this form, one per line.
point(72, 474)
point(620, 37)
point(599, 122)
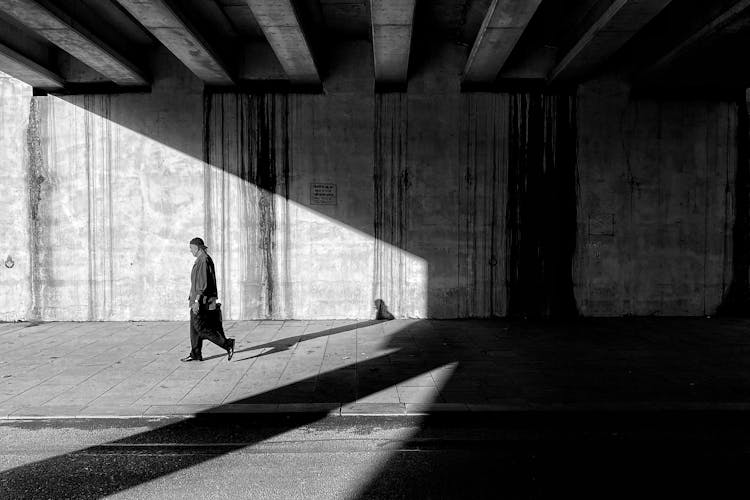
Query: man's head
point(197, 246)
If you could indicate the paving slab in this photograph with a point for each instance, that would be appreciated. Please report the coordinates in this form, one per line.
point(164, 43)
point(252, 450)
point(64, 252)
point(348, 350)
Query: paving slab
point(244, 408)
point(388, 395)
point(427, 409)
point(419, 394)
point(6, 412)
point(512, 406)
point(129, 411)
point(329, 408)
point(175, 410)
point(374, 409)
point(44, 412)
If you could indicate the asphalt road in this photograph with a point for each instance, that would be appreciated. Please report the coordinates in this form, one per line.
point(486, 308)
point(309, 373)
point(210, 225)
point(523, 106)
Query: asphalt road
point(550, 455)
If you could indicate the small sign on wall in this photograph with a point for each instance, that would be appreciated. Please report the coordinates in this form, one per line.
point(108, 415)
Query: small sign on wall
point(322, 193)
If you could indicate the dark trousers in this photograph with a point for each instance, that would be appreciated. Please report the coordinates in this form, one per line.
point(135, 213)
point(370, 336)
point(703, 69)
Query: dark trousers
point(206, 325)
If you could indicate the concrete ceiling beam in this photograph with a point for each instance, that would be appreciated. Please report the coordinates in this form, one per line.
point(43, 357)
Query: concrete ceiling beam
point(180, 38)
point(618, 24)
point(705, 30)
point(283, 30)
point(75, 40)
point(392, 22)
point(22, 68)
point(503, 25)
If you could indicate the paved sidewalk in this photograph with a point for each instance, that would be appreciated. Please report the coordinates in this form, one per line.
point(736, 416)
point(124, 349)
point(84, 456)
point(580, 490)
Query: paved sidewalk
point(400, 367)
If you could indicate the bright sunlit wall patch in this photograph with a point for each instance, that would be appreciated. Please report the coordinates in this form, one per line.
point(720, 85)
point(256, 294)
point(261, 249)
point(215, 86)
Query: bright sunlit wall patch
point(15, 300)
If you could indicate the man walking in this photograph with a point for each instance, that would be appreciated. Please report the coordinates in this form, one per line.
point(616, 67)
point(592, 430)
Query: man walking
point(205, 313)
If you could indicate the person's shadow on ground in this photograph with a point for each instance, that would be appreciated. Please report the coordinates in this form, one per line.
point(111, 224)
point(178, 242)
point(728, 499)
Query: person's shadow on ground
point(287, 343)
point(381, 314)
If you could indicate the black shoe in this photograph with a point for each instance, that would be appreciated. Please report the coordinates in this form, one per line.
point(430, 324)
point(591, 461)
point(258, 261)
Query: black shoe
point(230, 349)
point(191, 358)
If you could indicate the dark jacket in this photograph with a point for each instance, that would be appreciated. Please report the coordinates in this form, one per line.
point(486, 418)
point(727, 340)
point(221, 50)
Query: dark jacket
point(203, 279)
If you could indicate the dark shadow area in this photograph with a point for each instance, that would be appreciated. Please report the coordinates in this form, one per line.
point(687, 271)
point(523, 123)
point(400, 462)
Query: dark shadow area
point(571, 455)
point(541, 218)
point(527, 454)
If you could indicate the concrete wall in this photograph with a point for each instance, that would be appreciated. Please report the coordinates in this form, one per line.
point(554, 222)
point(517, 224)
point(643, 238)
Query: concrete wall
point(420, 221)
point(656, 206)
point(114, 186)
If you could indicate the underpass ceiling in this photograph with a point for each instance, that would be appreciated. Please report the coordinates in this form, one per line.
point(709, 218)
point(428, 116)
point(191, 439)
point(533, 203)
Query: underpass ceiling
point(232, 33)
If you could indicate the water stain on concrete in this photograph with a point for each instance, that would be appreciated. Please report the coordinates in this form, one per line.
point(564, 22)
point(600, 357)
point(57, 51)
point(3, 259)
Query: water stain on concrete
point(542, 206)
point(482, 204)
point(246, 137)
point(391, 192)
point(36, 179)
